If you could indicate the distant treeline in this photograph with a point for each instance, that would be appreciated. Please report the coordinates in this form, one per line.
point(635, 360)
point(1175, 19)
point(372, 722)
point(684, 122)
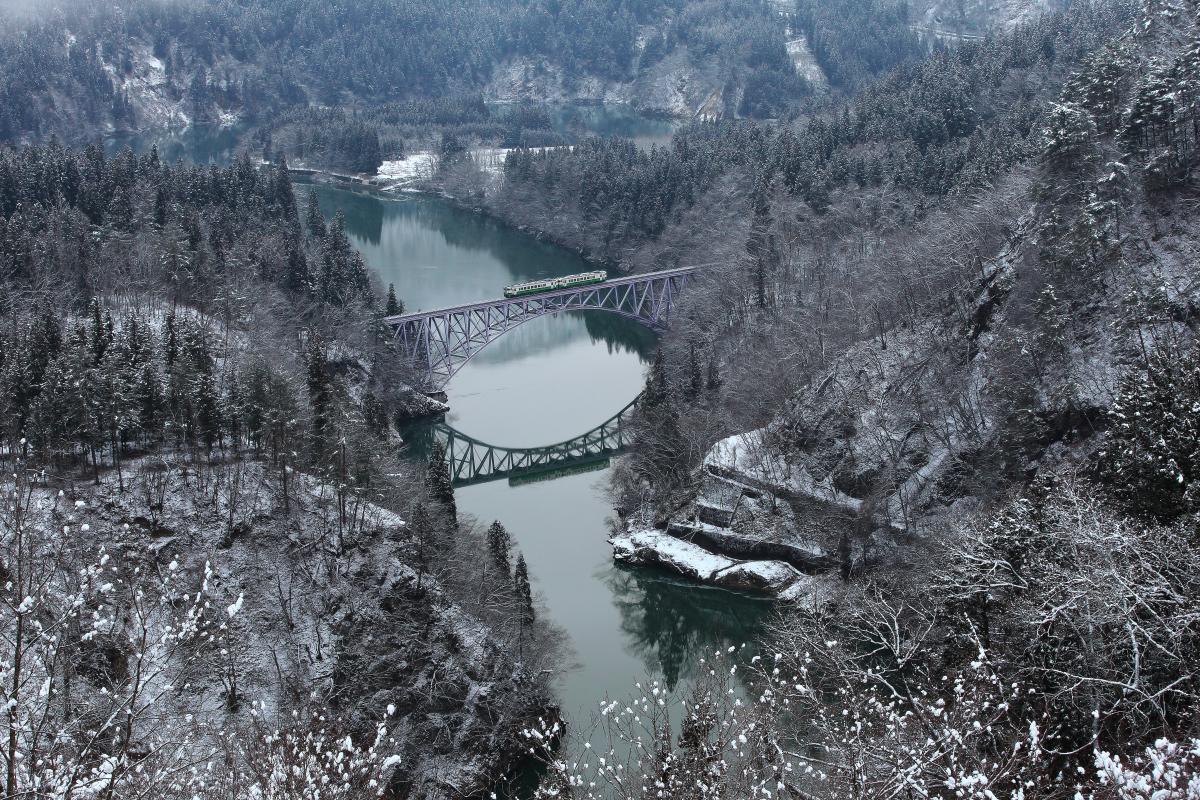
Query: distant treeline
point(257, 57)
point(361, 141)
point(944, 124)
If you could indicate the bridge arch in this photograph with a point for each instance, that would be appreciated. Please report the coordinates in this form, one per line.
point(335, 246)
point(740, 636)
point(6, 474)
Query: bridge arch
point(441, 342)
point(473, 461)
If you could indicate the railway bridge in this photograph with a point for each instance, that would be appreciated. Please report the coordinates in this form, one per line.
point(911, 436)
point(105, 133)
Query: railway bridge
point(442, 341)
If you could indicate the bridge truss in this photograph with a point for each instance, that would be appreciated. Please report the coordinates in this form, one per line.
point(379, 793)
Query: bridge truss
point(472, 461)
point(441, 342)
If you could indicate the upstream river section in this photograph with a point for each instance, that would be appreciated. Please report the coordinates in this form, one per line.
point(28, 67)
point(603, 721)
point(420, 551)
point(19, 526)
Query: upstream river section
point(547, 381)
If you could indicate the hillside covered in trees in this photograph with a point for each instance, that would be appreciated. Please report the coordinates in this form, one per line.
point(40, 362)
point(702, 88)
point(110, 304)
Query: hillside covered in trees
point(964, 390)
point(207, 526)
point(937, 366)
point(87, 69)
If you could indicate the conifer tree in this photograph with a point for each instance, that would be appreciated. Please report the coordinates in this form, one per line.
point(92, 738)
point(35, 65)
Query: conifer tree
point(314, 219)
point(437, 479)
point(656, 391)
point(99, 339)
point(170, 340)
point(394, 306)
point(524, 591)
point(320, 397)
point(150, 401)
point(695, 377)
point(421, 527)
point(714, 376)
point(499, 543)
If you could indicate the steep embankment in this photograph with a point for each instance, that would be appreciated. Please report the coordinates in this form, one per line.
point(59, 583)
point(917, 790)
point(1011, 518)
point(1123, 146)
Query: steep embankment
point(1041, 334)
point(316, 604)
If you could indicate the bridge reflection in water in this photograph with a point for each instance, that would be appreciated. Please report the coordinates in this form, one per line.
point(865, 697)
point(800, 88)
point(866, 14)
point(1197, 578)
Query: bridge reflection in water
point(472, 461)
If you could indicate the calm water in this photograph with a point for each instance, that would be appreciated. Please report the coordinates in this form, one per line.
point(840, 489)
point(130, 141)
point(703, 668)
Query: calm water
point(549, 380)
point(203, 145)
point(575, 122)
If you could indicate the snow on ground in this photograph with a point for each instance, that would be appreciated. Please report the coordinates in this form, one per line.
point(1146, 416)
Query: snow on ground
point(748, 456)
point(405, 172)
point(805, 63)
point(644, 546)
point(414, 168)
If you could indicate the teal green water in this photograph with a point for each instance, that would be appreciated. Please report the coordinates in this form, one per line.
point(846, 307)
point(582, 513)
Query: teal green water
point(549, 380)
point(576, 122)
point(204, 145)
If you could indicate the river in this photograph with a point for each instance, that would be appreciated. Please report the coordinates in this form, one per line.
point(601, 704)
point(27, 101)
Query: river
point(549, 380)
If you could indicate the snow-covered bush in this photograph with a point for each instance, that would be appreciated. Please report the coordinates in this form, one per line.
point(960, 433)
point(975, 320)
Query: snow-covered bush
point(1164, 771)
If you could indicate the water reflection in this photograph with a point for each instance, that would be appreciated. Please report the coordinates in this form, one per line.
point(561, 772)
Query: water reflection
point(668, 622)
point(577, 122)
point(549, 380)
point(474, 461)
point(437, 254)
point(197, 144)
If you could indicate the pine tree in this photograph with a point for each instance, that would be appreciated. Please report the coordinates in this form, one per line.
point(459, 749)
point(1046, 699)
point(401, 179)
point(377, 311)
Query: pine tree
point(394, 306)
point(695, 377)
point(714, 376)
point(420, 526)
point(202, 398)
point(438, 481)
point(44, 344)
point(656, 391)
point(314, 219)
point(150, 401)
point(524, 591)
point(170, 340)
point(499, 543)
point(320, 397)
point(99, 335)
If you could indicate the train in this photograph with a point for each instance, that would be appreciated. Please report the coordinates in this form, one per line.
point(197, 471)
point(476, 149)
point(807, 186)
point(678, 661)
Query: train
point(550, 284)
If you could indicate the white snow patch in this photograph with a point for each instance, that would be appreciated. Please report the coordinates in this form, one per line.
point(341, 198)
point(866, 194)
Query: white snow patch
point(643, 546)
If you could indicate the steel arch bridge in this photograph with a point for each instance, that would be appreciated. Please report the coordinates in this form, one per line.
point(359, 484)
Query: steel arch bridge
point(441, 342)
point(472, 461)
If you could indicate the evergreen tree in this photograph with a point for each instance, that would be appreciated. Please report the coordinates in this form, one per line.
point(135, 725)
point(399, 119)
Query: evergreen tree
point(713, 381)
point(99, 334)
point(657, 390)
point(1152, 452)
point(499, 543)
point(314, 219)
point(320, 397)
point(170, 340)
point(695, 377)
point(394, 306)
point(438, 481)
point(524, 591)
point(150, 401)
point(201, 399)
point(420, 526)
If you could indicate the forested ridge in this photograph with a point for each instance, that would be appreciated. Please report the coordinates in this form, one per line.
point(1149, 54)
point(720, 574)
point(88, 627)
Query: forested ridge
point(199, 411)
point(152, 64)
point(938, 360)
point(973, 395)
point(949, 124)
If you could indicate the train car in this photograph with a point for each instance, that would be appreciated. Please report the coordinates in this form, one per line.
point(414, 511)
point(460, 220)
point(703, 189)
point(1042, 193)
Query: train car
point(550, 284)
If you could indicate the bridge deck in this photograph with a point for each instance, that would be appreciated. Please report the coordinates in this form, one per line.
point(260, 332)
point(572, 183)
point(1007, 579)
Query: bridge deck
point(622, 281)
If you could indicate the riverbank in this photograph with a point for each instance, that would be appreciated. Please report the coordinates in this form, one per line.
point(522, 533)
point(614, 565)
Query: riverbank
point(752, 525)
point(418, 174)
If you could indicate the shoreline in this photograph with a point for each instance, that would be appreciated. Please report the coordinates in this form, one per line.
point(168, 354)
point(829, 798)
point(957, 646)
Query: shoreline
point(372, 184)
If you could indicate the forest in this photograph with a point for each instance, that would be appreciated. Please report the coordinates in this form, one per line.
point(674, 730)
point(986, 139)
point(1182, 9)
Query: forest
point(201, 62)
point(197, 390)
point(940, 346)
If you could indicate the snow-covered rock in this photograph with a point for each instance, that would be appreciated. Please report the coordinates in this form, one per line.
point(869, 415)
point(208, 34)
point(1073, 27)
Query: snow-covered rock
point(651, 547)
